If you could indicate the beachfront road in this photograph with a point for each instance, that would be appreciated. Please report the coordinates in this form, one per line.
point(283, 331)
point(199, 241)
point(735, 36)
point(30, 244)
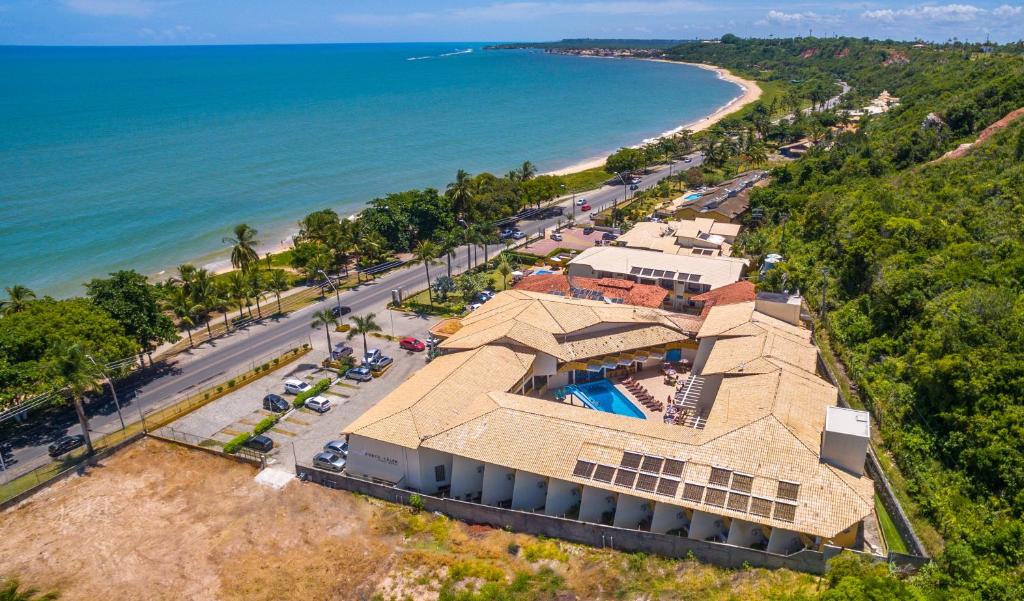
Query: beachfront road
point(214, 362)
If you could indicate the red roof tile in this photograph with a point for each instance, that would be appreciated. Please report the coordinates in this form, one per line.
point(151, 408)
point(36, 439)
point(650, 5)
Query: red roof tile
point(641, 295)
point(742, 291)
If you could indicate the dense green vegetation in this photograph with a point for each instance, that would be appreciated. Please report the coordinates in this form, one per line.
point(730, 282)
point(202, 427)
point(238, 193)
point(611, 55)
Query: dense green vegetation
point(922, 269)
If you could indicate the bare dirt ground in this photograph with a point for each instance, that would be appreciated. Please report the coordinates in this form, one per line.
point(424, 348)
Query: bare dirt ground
point(158, 521)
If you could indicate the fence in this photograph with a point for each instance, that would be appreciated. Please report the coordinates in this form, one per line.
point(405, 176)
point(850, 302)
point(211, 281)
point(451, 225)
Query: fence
point(595, 535)
point(208, 445)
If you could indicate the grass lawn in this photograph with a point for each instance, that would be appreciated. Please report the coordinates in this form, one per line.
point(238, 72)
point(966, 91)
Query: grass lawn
point(892, 537)
point(586, 180)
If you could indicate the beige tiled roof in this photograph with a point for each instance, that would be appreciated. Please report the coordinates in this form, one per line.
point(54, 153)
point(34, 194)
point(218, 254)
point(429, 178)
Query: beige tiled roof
point(714, 271)
point(740, 319)
point(760, 353)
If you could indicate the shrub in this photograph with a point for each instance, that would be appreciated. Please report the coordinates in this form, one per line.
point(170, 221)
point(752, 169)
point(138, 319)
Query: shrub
point(236, 443)
point(416, 502)
point(276, 360)
point(302, 397)
point(220, 389)
point(265, 424)
point(266, 366)
point(231, 383)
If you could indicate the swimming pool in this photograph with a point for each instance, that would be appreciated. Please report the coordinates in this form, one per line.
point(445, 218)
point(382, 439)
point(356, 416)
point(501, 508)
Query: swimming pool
point(693, 196)
point(543, 272)
point(604, 396)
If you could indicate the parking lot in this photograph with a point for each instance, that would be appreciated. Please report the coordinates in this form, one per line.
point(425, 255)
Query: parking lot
point(302, 432)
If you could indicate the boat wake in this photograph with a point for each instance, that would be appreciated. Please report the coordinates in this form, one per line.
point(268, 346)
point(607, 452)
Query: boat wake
point(453, 53)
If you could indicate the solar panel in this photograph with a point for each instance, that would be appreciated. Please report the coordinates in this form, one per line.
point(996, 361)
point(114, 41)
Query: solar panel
point(651, 464)
point(761, 507)
point(670, 275)
point(658, 273)
point(738, 502)
point(668, 486)
point(693, 492)
point(647, 272)
point(720, 476)
point(673, 467)
point(635, 270)
point(788, 490)
point(693, 277)
point(715, 496)
point(742, 482)
point(604, 473)
point(631, 460)
point(583, 469)
point(625, 478)
point(647, 482)
point(785, 512)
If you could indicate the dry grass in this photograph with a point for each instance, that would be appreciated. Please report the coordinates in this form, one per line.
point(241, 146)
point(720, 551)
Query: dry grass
point(158, 521)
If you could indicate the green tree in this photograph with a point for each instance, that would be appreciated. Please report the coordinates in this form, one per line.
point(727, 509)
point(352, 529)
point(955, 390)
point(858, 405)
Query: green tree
point(204, 293)
point(185, 308)
point(277, 284)
point(257, 287)
point(132, 301)
point(625, 159)
point(243, 247)
point(11, 590)
point(326, 319)
point(449, 241)
point(73, 370)
point(444, 286)
point(426, 252)
point(363, 325)
point(460, 192)
point(238, 291)
point(505, 269)
point(17, 297)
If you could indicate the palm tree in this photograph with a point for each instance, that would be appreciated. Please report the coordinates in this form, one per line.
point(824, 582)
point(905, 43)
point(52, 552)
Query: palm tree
point(223, 299)
point(450, 240)
point(527, 171)
point(425, 252)
point(238, 290)
point(243, 253)
point(461, 193)
point(186, 274)
point(73, 369)
point(17, 297)
point(278, 283)
point(257, 286)
point(505, 269)
point(324, 317)
point(10, 590)
point(756, 155)
point(204, 293)
point(182, 305)
point(363, 325)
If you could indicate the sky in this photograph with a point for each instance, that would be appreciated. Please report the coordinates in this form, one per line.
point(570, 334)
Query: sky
point(163, 22)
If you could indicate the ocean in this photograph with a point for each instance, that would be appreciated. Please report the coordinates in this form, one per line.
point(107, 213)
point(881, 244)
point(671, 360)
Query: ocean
point(145, 157)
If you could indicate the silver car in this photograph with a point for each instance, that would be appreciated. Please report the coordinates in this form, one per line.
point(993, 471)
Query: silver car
point(332, 462)
point(338, 447)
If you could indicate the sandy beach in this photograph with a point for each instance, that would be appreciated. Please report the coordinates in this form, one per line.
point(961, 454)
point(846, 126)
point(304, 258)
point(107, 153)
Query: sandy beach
point(750, 92)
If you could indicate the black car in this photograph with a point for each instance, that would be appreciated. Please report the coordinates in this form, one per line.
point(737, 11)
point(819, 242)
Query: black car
point(260, 443)
point(339, 310)
point(272, 402)
point(66, 443)
point(608, 236)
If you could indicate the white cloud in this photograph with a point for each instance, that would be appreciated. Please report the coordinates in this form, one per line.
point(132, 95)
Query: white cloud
point(528, 10)
point(778, 17)
point(177, 33)
point(1008, 11)
point(381, 20)
point(944, 13)
point(112, 8)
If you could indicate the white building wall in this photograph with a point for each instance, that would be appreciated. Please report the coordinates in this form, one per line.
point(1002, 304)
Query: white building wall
point(529, 491)
point(595, 502)
point(558, 380)
point(562, 497)
point(544, 365)
point(631, 511)
point(747, 534)
point(703, 350)
point(376, 459)
point(498, 484)
point(429, 460)
point(705, 525)
point(784, 541)
point(669, 517)
point(467, 478)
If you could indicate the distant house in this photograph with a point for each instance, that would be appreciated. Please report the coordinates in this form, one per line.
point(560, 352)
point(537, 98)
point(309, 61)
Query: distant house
point(796, 149)
point(610, 290)
point(700, 236)
point(725, 203)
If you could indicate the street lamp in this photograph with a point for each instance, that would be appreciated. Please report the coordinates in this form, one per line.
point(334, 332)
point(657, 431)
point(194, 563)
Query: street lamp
point(337, 294)
point(113, 392)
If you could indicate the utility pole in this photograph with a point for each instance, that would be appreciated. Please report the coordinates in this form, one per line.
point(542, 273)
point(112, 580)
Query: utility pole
point(113, 392)
point(337, 294)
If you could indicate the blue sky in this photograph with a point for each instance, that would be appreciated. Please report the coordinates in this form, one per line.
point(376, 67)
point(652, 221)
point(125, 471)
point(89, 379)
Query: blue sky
point(310, 21)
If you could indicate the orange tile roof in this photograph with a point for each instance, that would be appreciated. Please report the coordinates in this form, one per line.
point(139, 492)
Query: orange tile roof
point(641, 295)
point(742, 291)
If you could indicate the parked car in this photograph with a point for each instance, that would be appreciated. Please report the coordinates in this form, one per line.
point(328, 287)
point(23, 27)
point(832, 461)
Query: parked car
point(371, 354)
point(687, 160)
point(588, 230)
point(505, 233)
point(634, 180)
point(339, 310)
point(556, 237)
point(272, 402)
point(580, 202)
point(260, 443)
point(518, 235)
point(473, 307)
point(294, 386)
point(319, 404)
point(340, 351)
point(380, 363)
point(65, 444)
point(634, 187)
point(359, 374)
point(332, 462)
point(338, 447)
point(412, 344)
point(608, 236)
point(585, 206)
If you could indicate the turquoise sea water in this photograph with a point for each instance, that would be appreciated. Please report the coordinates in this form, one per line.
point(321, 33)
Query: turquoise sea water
point(144, 158)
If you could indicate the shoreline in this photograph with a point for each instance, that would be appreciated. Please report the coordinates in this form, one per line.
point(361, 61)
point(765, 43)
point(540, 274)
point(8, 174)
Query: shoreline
point(218, 262)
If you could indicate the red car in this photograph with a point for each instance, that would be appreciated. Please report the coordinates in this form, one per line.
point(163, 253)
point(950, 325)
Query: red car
point(585, 207)
point(412, 344)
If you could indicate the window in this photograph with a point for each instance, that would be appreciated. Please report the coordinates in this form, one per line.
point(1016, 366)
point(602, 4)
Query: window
point(439, 473)
point(693, 492)
point(583, 469)
point(742, 482)
point(720, 476)
point(651, 464)
point(788, 490)
point(738, 502)
point(673, 467)
point(631, 460)
point(625, 478)
point(668, 487)
point(647, 482)
point(761, 507)
point(785, 512)
point(604, 473)
point(715, 496)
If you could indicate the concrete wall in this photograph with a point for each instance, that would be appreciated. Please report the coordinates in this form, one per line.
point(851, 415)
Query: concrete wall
point(595, 535)
point(376, 459)
point(430, 459)
point(594, 503)
point(529, 491)
point(467, 478)
point(669, 517)
point(783, 541)
point(703, 350)
point(562, 497)
point(498, 484)
point(544, 365)
point(706, 525)
point(746, 534)
point(631, 512)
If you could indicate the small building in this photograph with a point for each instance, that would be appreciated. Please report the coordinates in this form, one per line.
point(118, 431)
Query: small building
point(700, 236)
point(684, 276)
point(742, 291)
point(610, 290)
point(726, 203)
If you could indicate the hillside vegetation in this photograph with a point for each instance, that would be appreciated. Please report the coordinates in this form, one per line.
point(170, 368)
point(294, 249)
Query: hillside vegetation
point(922, 269)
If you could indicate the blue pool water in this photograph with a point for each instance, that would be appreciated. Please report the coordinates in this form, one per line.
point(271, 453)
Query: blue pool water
point(543, 272)
point(603, 396)
point(693, 196)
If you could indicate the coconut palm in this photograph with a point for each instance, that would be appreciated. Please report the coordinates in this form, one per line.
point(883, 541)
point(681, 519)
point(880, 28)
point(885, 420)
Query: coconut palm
point(204, 293)
point(425, 252)
point(363, 325)
point(461, 193)
point(182, 305)
point(10, 590)
point(238, 291)
point(505, 269)
point(278, 283)
point(186, 273)
point(243, 251)
point(74, 370)
point(257, 287)
point(756, 155)
point(17, 297)
point(527, 171)
point(449, 241)
point(326, 318)
point(223, 299)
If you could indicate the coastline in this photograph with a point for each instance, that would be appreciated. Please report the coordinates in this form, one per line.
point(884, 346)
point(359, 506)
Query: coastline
point(749, 92)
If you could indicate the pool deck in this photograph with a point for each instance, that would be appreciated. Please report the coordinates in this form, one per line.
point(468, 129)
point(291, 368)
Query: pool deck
point(651, 379)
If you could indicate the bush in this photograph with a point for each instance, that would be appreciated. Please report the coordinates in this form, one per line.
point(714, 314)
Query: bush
point(265, 424)
point(236, 443)
point(231, 383)
point(302, 397)
point(266, 367)
point(416, 502)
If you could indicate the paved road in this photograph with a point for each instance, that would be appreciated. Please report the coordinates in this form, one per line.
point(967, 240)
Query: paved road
point(217, 361)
